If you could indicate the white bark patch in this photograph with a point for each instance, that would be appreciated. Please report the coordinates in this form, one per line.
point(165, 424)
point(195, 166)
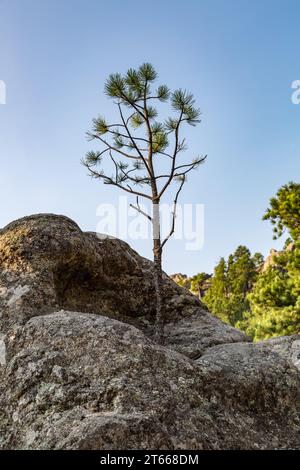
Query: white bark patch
point(2, 351)
point(16, 294)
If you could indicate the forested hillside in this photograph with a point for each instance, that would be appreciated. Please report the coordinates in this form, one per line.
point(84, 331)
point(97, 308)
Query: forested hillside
point(260, 297)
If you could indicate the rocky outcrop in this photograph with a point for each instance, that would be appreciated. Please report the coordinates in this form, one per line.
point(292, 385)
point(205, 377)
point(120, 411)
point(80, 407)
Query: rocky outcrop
point(182, 280)
point(271, 260)
point(83, 381)
point(79, 370)
point(197, 285)
point(47, 263)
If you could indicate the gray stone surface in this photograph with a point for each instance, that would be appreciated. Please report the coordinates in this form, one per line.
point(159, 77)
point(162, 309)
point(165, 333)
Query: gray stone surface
point(83, 381)
point(47, 263)
point(193, 335)
point(79, 370)
point(286, 346)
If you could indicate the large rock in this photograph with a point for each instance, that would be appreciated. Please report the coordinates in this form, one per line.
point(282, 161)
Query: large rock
point(79, 370)
point(47, 263)
point(193, 335)
point(286, 346)
point(83, 381)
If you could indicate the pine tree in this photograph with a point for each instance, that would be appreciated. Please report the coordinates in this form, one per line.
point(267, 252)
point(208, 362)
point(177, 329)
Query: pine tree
point(136, 144)
point(197, 284)
point(216, 298)
point(284, 211)
point(232, 281)
point(275, 300)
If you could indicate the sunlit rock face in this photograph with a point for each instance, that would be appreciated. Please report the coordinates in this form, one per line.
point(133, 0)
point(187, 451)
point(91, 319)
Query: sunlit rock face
point(47, 263)
point(79, 368)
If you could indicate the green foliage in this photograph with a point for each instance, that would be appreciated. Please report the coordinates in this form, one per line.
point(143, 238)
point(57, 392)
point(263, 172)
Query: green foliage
point(118, 141)
point(147, 73)
point(263, 303)
point(275, 300)
point(115, 86)
point(198, 282)
point(163, 93)
point(133, 90)
point(136, 120)
point(100, 126)
point(241, 272)
point(152, 112)
point(132, 79)
point(160, 138)
point(182, 280)
point(171, 124)
point(261, 299)
point(284, 211)
point(93, 158)
point(258, 261)
point(231, 282)
point(184, 102)
point(137, 136)
point(131, 87)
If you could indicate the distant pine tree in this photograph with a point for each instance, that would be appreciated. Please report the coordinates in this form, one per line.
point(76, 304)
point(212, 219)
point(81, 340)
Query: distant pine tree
point(275, 300)
point(284, 211)
point(232, 281)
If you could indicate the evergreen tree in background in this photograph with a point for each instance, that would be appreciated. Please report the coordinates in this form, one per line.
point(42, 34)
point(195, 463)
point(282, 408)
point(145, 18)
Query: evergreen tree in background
point(141, 154)
point(275, 300)
point(284, 211)
point(258, 297)
point(198, 284)
point(231, 283)
point(242, 271)
point(216, 298)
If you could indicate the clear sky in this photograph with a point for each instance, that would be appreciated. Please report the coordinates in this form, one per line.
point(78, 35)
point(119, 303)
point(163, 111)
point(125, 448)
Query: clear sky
point(238, 57)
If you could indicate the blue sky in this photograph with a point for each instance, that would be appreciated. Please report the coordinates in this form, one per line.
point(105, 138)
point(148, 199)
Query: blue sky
point(238, 57)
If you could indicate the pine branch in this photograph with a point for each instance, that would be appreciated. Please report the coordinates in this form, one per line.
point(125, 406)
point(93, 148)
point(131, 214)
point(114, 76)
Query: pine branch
point(132, 139)
point(174, 156)
point(138, 209)
point(109, 180)
point(95, 136)
point(172, 230)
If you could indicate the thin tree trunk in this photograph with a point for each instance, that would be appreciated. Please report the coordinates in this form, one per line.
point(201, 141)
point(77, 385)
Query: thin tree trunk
point(159, 293)
point(158, 277)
